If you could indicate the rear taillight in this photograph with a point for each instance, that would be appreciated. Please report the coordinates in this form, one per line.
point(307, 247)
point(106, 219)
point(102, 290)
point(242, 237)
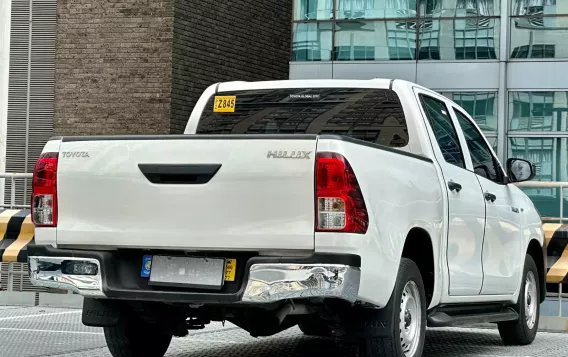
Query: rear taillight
point(44, 191)
point(340, 206)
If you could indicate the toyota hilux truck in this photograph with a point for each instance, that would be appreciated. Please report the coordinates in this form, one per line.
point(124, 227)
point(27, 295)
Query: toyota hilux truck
point(362, 210)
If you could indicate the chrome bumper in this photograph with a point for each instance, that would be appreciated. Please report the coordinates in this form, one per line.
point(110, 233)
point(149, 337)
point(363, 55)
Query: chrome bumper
point(266, 282)
point(274, 282)
point(47, 272)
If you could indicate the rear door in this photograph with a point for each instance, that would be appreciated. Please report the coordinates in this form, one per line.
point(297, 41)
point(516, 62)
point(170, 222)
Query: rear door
point(503, 257)
point(466, 207)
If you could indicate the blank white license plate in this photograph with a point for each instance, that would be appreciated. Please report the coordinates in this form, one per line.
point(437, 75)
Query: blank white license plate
point(204, 273)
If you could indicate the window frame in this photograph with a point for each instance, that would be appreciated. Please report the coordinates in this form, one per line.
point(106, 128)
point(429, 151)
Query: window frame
point(421, 96)
point(500, 172)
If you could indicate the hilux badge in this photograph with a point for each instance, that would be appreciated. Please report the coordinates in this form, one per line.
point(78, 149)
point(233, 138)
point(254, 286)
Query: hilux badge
point(276, 154)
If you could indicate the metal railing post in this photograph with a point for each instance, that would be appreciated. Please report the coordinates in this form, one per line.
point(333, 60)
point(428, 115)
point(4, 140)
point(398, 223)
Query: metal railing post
point(560, 300)
point(10, 277)
point(13, 192)
point(561, 219)
point(561, 203)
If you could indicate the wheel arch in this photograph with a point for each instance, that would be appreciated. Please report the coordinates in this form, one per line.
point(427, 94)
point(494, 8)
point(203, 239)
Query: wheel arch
point(419, 248)
point(538, 252)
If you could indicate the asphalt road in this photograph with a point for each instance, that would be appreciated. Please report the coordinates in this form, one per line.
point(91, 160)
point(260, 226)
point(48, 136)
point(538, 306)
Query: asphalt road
point(36, 331)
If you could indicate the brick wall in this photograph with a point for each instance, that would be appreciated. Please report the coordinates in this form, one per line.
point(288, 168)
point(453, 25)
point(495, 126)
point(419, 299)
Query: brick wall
point(225, 40)
point(138, 67)
point(113, 67)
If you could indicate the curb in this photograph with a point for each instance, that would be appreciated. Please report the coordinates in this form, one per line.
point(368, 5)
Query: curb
point(25, 298)
point(60, 300)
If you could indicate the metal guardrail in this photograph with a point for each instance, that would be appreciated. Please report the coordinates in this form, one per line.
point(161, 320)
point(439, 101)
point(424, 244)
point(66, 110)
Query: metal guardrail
point(549, 184)
point(13, 205)
point(561, 186)
point(13, 177)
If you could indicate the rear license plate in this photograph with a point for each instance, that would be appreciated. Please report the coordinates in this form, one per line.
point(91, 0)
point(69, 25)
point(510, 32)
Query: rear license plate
point(204, 273)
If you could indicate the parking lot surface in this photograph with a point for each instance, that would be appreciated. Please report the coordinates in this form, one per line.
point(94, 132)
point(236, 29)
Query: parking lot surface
point(37, 331)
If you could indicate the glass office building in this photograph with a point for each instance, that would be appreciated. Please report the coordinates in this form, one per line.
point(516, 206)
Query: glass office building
point(504, 61)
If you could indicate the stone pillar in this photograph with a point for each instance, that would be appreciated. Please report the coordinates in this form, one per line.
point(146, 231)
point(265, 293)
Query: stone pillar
point(138, 67)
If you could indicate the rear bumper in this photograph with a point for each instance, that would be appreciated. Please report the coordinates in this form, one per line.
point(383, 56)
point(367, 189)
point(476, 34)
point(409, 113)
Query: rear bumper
point(259, 279)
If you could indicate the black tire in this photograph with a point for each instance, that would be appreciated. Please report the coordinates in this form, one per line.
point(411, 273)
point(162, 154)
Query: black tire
point(315, 328)
point(391, 346)
point(519, 332)
point(136, 337)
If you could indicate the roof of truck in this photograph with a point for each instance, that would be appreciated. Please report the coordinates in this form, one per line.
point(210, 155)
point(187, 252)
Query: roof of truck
point(303, 83)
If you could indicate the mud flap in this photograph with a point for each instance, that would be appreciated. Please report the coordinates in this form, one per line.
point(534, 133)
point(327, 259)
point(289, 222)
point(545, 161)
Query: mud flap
point(100, 313)
point(371, 323)
point(364, 322)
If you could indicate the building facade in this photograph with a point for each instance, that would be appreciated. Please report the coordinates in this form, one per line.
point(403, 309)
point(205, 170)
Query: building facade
point(504, 61)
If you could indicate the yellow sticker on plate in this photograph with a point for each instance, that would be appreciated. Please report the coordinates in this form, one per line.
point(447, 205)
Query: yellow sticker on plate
point(230, 269)
point(225, 104)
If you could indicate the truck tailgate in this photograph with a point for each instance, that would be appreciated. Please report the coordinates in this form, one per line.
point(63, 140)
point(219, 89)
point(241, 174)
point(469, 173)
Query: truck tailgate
point(187, 192)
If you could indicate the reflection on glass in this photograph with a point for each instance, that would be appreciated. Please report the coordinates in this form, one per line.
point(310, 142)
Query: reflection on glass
point(539, 37)
point(492, 141)
point(459, 39)
point(550, 157)
point(538, 111)
point(377, 40)
point(312, 41)
point(538, 7)
point(313, 9)
point(481, 106)
point(375, 9)
point(459, 8)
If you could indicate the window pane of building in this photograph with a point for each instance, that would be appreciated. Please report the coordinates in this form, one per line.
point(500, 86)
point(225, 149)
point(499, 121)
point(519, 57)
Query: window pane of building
point(375, 40)
point(312, 41)
point(550, 156)
point(539, 37)
point(313, 9)
point(539, 7)
point(459, 8)
point(538, 111)
point(376, 9)
point(459, 39)
point(481, 106)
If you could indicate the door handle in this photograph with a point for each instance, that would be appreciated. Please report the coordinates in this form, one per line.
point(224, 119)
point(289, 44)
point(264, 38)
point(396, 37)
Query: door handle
point(490, 197)
point(454, 186)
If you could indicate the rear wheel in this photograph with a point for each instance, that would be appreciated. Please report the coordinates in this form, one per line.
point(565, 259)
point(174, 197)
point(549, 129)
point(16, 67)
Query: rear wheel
point(134, 337)
point(408, 304)
point(523, 331)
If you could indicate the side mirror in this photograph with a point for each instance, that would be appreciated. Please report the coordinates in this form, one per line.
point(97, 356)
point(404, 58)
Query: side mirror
point(520, 170)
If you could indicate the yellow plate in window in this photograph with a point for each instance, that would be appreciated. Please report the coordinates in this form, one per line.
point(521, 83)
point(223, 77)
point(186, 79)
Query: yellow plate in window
point(230, 269)
point(224, 104)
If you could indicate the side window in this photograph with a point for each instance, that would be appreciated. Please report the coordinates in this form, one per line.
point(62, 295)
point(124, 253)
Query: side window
point(484, 164)
point(444, 130)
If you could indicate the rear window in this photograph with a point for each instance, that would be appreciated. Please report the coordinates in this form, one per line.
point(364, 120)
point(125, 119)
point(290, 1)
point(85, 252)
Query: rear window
point(373, 115)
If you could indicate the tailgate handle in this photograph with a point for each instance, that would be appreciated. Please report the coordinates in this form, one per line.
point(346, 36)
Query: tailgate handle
point(180, 174)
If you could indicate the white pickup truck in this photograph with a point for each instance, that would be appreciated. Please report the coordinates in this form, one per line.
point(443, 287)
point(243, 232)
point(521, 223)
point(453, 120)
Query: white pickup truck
point(364, 210)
